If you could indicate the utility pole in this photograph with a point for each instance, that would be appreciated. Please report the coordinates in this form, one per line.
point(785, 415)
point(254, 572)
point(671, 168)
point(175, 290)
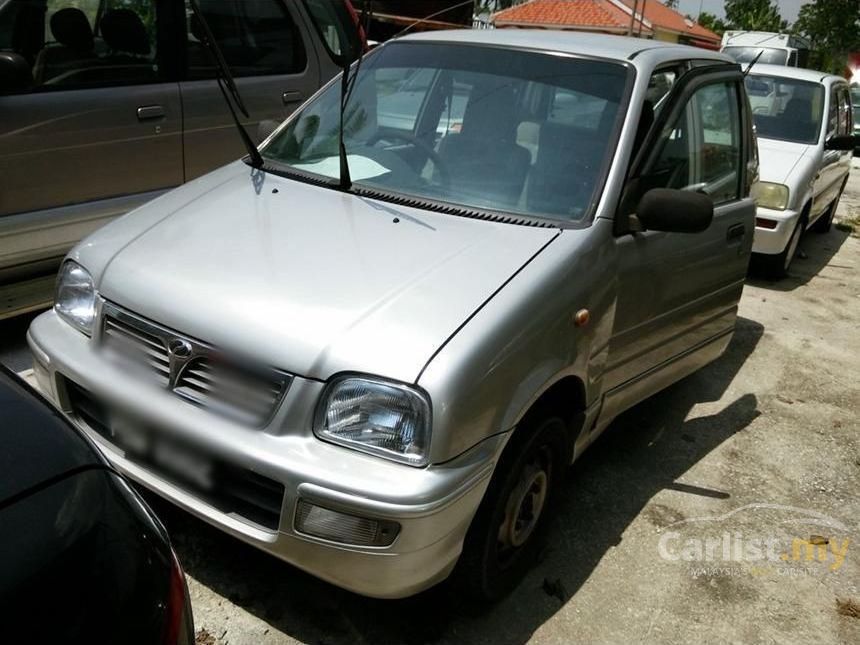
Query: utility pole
point(632, 18)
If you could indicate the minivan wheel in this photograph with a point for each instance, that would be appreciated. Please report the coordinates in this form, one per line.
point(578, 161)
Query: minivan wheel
point(509, 528)
point(776, 266)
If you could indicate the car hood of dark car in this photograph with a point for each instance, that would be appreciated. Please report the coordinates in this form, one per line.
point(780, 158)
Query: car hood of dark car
point(37, 445)
point(310, 280)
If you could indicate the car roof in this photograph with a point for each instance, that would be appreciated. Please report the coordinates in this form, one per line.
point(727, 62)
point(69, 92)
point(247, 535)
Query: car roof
point(798, 73)
point(36, 443)
point(572, 42)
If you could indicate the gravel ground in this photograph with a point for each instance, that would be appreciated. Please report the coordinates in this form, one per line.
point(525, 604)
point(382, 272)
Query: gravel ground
point(760, 448)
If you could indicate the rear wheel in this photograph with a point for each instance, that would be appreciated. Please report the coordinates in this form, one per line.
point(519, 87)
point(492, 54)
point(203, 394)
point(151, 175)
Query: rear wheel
point(776, 266)
point(509, 528)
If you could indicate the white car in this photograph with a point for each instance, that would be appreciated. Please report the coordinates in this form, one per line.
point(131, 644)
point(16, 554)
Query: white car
point(805, 138)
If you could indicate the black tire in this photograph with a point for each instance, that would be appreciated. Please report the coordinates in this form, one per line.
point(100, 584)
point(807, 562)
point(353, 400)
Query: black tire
point(775, 267)
point(500, 549)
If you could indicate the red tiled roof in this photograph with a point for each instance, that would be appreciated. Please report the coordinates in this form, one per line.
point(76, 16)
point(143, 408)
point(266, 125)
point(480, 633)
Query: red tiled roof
point(565, 13)
point(602, 14)
point(661, 16)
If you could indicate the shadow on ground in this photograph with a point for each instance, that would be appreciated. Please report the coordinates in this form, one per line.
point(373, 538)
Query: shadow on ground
point(643, 452)
point(818, 250)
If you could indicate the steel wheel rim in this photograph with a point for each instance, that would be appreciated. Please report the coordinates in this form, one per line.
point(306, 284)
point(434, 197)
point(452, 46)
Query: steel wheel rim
point(524, 508)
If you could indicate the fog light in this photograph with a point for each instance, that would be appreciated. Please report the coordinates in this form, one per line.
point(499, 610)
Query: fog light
point(761, 222)
point(342, 527)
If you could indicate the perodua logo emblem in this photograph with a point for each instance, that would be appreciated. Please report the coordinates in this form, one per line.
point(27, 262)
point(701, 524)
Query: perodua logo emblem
point(179, 348)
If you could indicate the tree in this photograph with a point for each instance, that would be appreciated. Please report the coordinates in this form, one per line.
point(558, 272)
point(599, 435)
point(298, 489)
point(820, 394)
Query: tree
point(710, 21)
point(833, 28)
point(754, 15)
point(672, 4)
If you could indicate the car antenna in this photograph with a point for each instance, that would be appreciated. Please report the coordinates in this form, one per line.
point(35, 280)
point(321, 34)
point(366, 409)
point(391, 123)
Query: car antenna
point(431, 16)
point(347, 83)
point(753, 62)
point(227, 84)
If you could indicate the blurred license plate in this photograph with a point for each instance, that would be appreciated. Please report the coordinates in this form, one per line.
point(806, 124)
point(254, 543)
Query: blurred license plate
point(168, 456)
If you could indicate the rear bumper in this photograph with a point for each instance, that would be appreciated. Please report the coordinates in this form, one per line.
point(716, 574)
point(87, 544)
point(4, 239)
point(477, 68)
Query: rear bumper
point(433, 506)
point(772, 241)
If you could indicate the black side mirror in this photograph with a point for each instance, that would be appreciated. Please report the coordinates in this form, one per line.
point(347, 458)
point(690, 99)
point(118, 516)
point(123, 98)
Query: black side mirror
point(675, 211)
point(15, 73)
point(265, 128)
point(842, 142)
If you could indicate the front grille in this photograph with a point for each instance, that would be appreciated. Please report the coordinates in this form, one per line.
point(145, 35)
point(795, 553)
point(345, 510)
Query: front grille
point(138, 347)
point(238, 390)
point(234, 490)
point(241, 394)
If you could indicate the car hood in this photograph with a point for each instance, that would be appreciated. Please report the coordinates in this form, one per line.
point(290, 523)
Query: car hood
point(310, 280)
point(777, 159)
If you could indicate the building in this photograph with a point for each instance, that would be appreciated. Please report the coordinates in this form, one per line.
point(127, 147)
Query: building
point(643, 18)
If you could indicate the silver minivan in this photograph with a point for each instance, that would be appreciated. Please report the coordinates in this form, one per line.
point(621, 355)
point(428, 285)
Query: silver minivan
point(371, 347)
point(106, 104)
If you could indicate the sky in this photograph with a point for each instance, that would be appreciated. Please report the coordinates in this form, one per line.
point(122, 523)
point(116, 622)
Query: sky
point(788, 8)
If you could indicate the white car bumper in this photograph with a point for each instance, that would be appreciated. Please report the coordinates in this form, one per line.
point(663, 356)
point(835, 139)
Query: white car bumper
point(770, 241)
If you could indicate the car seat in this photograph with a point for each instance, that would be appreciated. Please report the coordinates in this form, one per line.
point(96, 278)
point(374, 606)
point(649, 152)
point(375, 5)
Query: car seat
point(484, 161)
point(74, 44)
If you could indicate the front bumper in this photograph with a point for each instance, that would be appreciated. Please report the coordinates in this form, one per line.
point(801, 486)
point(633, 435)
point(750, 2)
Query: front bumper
point(434, 506)
point(773, 241)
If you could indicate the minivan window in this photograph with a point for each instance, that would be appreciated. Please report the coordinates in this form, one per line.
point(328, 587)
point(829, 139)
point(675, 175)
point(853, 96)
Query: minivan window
point(785, 108)
point(768, 54)
point(443, 123)
point(256, 37)
point(87, 43)
point(336, 27)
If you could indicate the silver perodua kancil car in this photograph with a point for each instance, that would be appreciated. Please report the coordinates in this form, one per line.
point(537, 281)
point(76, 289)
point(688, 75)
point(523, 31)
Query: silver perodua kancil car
point(372, 350)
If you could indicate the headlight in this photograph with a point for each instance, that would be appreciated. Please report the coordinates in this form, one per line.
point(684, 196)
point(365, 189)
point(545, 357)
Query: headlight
point(76, 297)
point(378, 417)
point(768, 195)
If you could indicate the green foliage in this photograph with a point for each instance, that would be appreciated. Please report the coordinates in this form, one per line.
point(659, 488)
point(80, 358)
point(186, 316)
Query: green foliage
point(833, 27)
point(754, 15)
point(710, 21)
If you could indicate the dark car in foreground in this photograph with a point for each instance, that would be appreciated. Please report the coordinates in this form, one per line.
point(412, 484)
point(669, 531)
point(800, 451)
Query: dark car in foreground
point(84, 560)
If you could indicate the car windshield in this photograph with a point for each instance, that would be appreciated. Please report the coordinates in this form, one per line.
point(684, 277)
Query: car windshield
point(478, 127)
point(748, 54)
point(785, 108)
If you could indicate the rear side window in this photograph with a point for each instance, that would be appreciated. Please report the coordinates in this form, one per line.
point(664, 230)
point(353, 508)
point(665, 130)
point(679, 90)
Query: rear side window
point(256, 37)
point(336, 26)
point(70, 44)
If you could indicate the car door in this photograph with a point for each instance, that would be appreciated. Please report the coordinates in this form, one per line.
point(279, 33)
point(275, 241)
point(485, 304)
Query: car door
point(268, 47)
point(677, 293)
point(95, 132)
point(835, 164)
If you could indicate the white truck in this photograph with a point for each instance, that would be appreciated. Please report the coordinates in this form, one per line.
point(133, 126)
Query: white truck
point(775, 48)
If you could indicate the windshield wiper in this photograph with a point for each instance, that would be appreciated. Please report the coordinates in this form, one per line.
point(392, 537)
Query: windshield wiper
point(225, 84)
point(347, 83)
point(753, 62)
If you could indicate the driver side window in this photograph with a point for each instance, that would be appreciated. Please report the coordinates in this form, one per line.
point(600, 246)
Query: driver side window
point(701, 150)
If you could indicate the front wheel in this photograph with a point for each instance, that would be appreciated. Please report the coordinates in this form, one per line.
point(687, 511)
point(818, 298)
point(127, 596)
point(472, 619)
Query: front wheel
point(776, 266)
point(507, 532)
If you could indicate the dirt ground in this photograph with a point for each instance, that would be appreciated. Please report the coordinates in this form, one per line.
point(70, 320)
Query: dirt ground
point(724, 509)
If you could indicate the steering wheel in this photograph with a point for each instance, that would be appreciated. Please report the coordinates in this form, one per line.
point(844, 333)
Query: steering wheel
point(444, 175)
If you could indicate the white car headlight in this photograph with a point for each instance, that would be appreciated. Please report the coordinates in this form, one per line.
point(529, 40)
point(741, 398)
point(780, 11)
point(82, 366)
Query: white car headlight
point(770, 195)
point(75, 300)
point(379, 417)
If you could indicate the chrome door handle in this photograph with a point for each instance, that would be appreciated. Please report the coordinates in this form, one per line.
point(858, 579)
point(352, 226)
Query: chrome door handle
point(147, 112)
point(291, 96)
